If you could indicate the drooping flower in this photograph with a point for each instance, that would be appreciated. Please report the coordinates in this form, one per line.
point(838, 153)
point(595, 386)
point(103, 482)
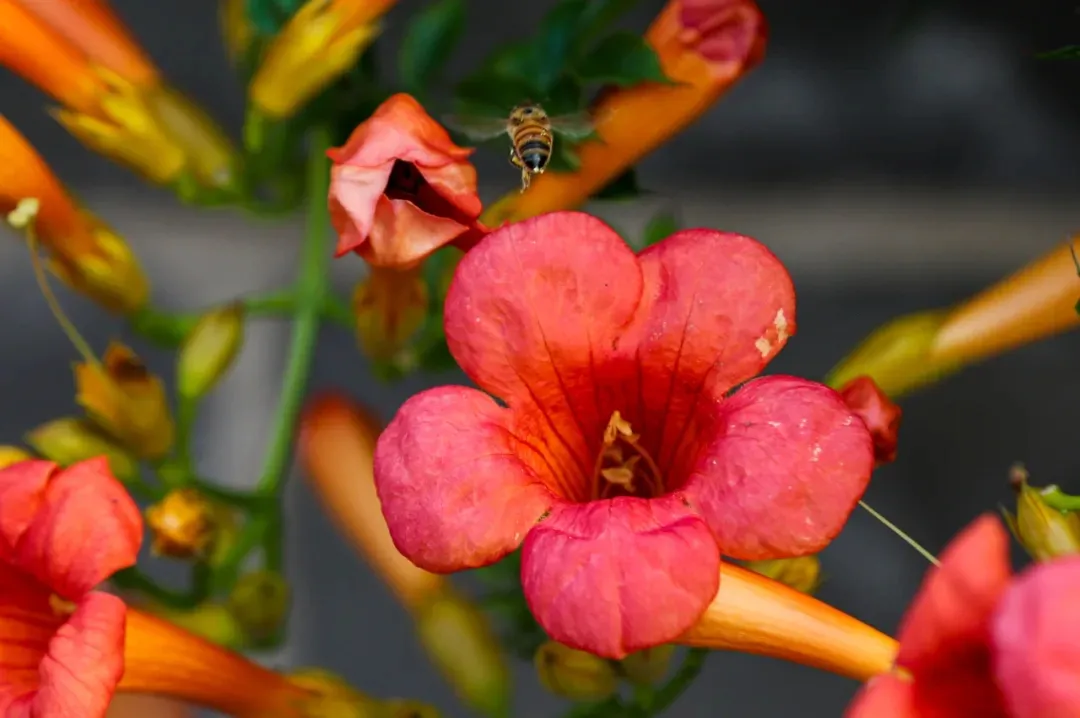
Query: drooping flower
point(401, 189)
point(83, 251)
point(881, 416)
point(620, 461)
point(976, 642)
point(705, 47)
point(912, 351)
point(62, 532)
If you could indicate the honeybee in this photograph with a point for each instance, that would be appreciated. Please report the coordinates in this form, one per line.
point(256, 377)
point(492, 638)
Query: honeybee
point(532, 134)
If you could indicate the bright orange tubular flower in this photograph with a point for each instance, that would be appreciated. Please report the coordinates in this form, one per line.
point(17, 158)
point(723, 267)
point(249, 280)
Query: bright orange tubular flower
point(400, 188)
point(705, 47)
point(62, 532)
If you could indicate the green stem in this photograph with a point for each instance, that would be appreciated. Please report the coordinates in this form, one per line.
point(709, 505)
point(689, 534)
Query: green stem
point(133, 579)
point(666, 695)
point(1055, 498)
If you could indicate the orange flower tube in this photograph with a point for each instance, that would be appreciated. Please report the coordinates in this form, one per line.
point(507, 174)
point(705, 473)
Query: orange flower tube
point(705, 47)
point(1034, 303)
point(754, 614)
point(163, 659)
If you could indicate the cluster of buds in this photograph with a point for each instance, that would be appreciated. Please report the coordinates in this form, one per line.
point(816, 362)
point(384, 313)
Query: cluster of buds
point(587, 678)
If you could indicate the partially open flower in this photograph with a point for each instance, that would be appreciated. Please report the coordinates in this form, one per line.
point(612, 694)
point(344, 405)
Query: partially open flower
point(881, 416)
point(83, 251)
point(705, 47)
point(620, 461)
point(401, 189)
point(62, 532)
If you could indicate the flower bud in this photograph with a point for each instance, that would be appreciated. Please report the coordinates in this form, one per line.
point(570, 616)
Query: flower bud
point(182, 524)
point(12, 455)
point(70, 440)
point(331, 696)
point(127, 402)
point(107, 271)
point(1043, 531)
point(213, 621)
point(461, 643)
point(260, 602)
point(648, 666)
point(209, 350)
point(802, 573)
point(397, 708)
point(573, 674)
point(390, 306)
point(236, 28)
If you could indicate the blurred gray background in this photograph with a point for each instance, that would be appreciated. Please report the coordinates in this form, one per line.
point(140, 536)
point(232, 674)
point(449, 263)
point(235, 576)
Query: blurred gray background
point(893, 166)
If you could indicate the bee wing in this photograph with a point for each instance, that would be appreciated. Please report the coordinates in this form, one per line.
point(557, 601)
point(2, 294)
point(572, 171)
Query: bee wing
point(477, 129)
point(578, 125)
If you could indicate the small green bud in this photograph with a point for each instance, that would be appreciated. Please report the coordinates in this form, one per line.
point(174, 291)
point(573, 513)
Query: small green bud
point(573, 674)
point(212, 621)
point(648, 666)
point(260, 602)
point(1043, 531)
point(802, 573)
point(209, 350)
point(69, 440)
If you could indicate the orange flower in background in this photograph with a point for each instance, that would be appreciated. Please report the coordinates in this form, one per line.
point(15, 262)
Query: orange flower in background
point(401, 189)
point(62, 532)
point(705, 47)
point(912, 351)
point(113, 99)
point(84, 251)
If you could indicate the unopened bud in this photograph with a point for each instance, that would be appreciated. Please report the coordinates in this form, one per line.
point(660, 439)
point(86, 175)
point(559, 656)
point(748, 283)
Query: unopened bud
point(260, 602)
point(209, 350)
point(648, 666)
point(1043, 531)
point(574, 674)
point(461, 643)
point(182, 524)
point(12, 455)
point(69, 440)
point(390, 307)
point(331, 696)
point(802, 573)
point(213, 621)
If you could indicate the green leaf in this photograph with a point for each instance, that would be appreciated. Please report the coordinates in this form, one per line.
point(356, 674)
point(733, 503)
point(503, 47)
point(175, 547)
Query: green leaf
point(660, 227)
point(623, 59)
point(596, 18)
point(431, 37)
point(1069, 52)
point(269, 15)
point(555, 41)
point(623, 187)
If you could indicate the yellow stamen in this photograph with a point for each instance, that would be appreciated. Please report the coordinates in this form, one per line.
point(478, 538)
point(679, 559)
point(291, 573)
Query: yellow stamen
point(618, 435)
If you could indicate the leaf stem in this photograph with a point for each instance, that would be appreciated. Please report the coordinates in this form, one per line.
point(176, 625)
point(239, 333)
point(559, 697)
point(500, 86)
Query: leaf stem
point(1055, 498)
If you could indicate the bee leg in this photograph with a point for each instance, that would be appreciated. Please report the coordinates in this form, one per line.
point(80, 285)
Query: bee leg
point(526, 179)
point(515, 160)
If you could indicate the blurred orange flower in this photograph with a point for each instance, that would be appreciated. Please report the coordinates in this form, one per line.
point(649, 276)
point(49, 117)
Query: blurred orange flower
point(84, 251)
point(705, 47)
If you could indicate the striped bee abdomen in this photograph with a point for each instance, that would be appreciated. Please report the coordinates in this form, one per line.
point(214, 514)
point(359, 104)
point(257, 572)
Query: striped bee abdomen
point(533, 145)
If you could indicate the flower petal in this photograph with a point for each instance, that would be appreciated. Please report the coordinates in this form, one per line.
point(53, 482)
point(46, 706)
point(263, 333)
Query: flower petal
point(402, 234)
point(352, 200)
point(949, 616)
point(1035, 642)
point(86, 529)
point(27, 624)
point(886, 696)
point(458, 490)
point(717, 308)
point(85, 660)
point(787, 465)
point(878, 412)
point(533, 312)
point(617, 576)
point(22, 487)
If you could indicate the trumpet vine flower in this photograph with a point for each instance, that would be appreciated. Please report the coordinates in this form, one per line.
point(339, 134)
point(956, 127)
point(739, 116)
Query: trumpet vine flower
point(621, 458)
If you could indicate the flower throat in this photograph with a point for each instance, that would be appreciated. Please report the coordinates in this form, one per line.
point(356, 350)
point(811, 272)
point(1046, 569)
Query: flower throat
point(623, 466)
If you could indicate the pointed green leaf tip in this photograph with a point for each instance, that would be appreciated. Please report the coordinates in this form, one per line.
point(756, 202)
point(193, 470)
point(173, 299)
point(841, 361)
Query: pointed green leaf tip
point(428, 43)
point(622, 59)
point(660, 227)
point(1069, 52)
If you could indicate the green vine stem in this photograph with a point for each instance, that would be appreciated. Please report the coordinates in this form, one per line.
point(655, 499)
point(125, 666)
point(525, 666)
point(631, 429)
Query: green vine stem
point(1055, 498)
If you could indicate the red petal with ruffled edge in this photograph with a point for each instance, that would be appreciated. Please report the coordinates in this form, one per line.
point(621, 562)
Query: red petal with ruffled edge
point(86, 527)
point(612, 577)
point(784, 466)
point(1036, 642)
point(22, 489)
point(457, 489)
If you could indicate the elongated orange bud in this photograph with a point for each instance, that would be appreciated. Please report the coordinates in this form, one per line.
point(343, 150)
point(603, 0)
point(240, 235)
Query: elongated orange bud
point(337, 445)
point(754, 614)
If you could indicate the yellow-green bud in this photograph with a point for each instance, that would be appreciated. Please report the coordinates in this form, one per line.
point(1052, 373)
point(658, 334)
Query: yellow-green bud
point(260, 602)
point(461, 643)
point(398, 708)
point(12, 455)
point(1043, 531)
point(574, 674)
point(802, 573)
point(209, 350)
point(69, 440)
point(648, 666)
point(212, 621)
point(331, 696)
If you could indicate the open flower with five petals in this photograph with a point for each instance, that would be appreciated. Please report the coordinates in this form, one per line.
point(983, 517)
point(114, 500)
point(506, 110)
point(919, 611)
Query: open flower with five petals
point(620, 458)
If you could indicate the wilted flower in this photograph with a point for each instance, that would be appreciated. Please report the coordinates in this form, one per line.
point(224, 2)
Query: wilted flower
point(574, 674)
point(390, 306)
point(400, 188)
point(128, 402)
point(83, 251)
point(976, 642)
point(881, 416)
point(620, 462)
point(322, 41)
point(62, 532)
point(705, 47)
point(182, 524)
